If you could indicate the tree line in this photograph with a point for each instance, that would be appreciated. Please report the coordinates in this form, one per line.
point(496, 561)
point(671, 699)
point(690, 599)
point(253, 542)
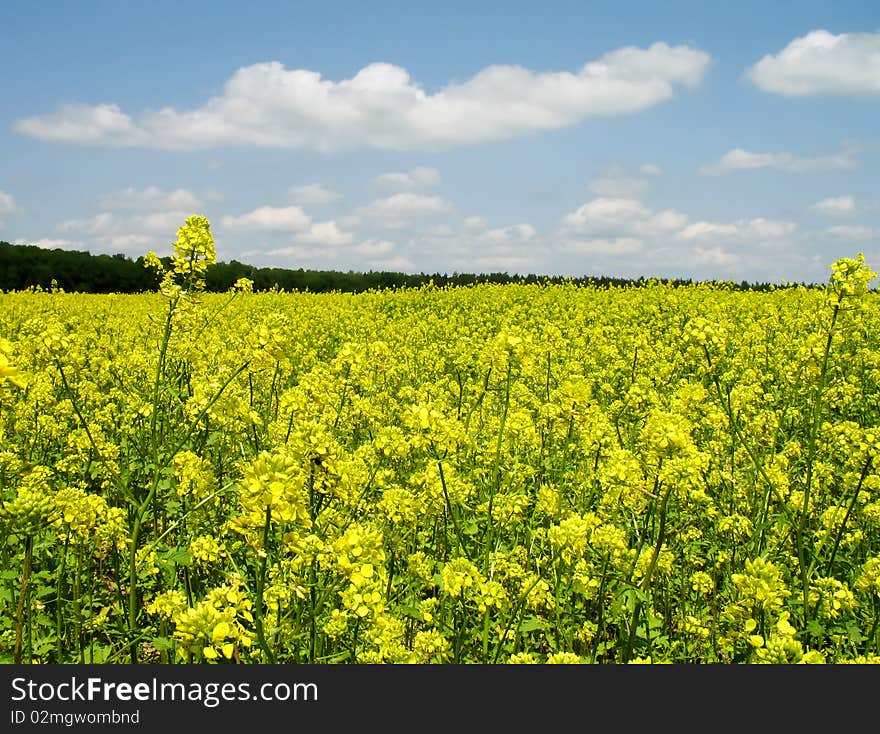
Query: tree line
point(29, 266)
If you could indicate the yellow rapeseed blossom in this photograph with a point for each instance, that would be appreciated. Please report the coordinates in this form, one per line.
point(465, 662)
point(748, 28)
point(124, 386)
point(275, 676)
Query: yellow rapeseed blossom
point(9, 373)
point(530, 472)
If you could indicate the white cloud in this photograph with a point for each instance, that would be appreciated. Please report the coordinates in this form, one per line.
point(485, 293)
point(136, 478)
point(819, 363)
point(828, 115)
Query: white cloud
point(103, 124)
point(375, 247)
point(619, 182)
point(325, 233)
point(836, 206)
point(515, 233)
point(822, 63)
point(267, 105)
point(133, 234)
point(614, 246)
point(438, 229)
point(160, 221)
point(418, 178)
point(303, 253)
point(107, 223)
point(99, 224)
point(7, 203)
point(269, 219)
point(854, 232)
point(626, 238)
point(744, 160)
point(475, 223)
point(614, 217)
point(312, 194)
point(743, 229)
point(151, 197)
point(394, 210)
point(714, 256)
point(473, 246)
point(598, 213)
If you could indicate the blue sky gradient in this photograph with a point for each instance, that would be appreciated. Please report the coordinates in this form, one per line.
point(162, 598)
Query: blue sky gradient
point(726, 174)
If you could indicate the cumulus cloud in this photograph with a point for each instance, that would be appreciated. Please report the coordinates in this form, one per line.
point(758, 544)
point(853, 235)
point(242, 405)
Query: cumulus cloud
point(744, 160)
point(620, 182)
point(626, 238)
point(856, 232)
point(418, 178)
point(325, 233)
point(836, 206)
point(604, 217)
point(102, 124)
point(714, 256)
point(312, 194)
point(613, 246)
point(7, 203)
point(268, 219)
point(822, 63)
point(267, 105)
point(99, 224)
point(744, 229)
point(107, 223)
point(475, 223)
point(514, 233)
point(302, 253)
point(151, 197)
point(395, 210)
point(132, 234)
point(375, 247)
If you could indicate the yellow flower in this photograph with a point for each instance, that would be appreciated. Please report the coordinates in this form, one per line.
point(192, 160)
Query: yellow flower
point(10, 373)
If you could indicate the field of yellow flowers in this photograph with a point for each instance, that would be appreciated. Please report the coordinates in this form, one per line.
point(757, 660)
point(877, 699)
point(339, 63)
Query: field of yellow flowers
point(491, 474)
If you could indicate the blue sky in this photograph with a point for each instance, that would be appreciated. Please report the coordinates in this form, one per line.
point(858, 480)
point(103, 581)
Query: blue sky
point(675, 139)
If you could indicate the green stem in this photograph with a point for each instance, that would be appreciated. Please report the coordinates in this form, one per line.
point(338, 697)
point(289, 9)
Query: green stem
point(141, 512)
point(646, 581)
point(496, 479)
point(59, 626)
point(865, 469)
point(449, 506)
point(514, 617)
point(261, 582)
point(486, 635)
point(811, 454)
point(77, 605)
point(600, 623)
point(19, 614)
point(737, 436)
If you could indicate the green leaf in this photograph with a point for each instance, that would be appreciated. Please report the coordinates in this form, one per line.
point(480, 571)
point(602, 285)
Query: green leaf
point(472, 528)
point(100, 654)
point(162, 643)
point(854, 633)
point(180, 556)
point(533, 624)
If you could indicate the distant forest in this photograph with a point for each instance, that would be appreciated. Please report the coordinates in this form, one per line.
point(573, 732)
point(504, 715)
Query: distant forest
point(28, 266)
